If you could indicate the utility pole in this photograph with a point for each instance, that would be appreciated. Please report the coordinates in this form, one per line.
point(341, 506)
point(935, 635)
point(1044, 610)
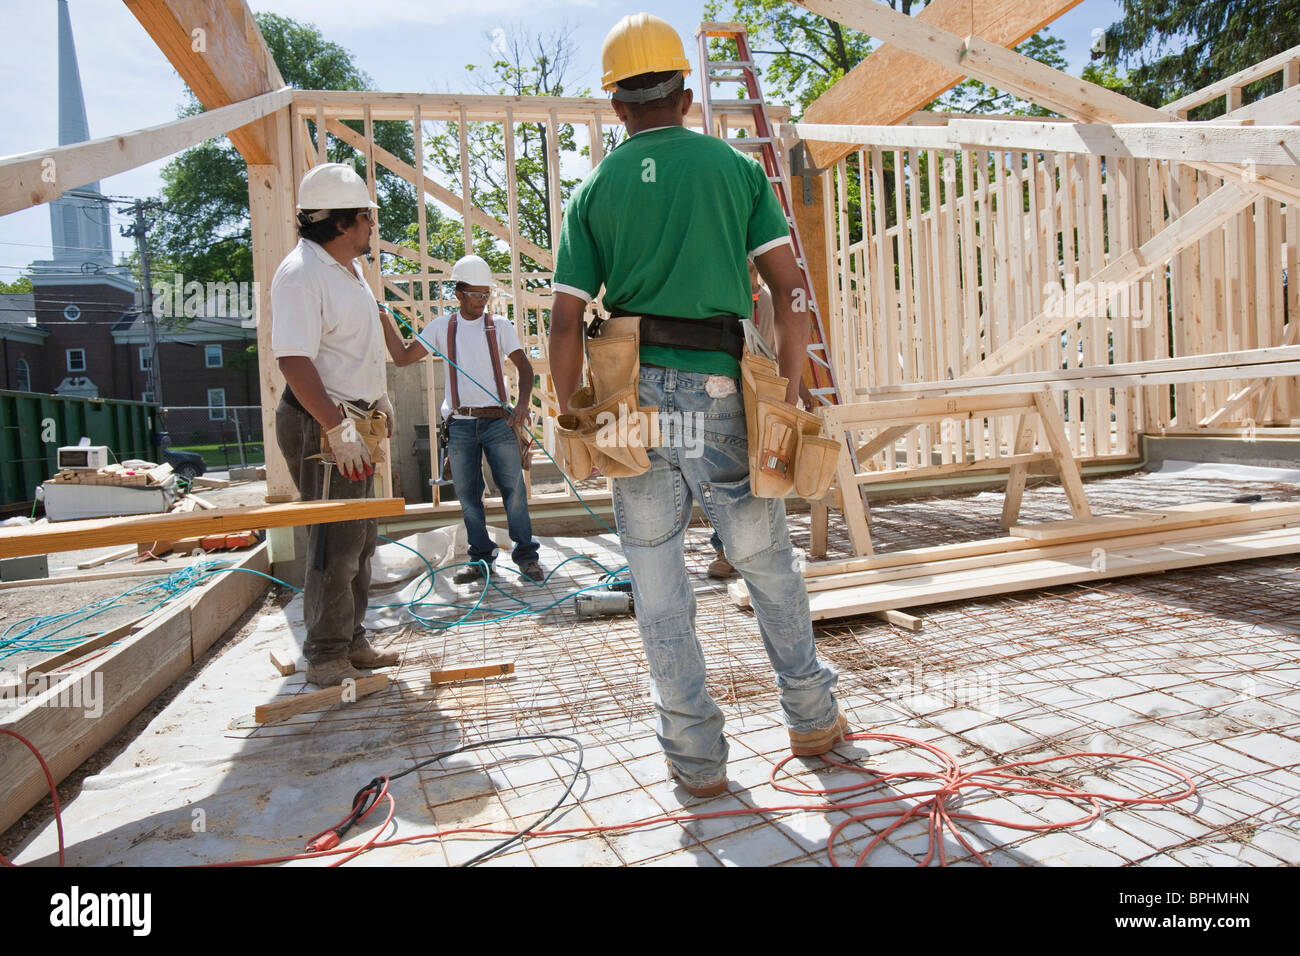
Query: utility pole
point(139, 229)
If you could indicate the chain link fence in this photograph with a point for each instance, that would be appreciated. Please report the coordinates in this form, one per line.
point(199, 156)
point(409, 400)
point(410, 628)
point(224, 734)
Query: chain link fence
point(224, 436)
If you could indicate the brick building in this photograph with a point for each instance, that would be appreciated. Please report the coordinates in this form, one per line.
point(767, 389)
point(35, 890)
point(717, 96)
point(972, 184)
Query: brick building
point(81, 332)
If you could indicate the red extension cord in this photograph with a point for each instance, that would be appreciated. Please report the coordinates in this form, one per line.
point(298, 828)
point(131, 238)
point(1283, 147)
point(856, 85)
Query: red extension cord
point(933, 805)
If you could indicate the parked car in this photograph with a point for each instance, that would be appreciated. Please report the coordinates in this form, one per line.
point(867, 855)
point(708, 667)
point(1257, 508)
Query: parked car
point(186, 464)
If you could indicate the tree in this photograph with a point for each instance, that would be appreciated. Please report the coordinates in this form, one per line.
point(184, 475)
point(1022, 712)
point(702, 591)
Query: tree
point(525, 65)
point(20, 285)
point(204, 232)
point(1172, 47)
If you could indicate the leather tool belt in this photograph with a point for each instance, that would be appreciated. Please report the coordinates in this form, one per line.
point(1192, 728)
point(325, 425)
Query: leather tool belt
point(481, 411)
point(718, 333)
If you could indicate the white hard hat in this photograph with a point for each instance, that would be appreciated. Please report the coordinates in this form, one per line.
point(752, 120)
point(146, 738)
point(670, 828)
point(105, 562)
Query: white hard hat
point(472, 270)
point(333, 186)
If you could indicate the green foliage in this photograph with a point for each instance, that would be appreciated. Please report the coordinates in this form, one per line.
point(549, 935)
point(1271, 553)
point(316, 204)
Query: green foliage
point(1173, 47)
point(204, 232)
point(20, 285)
point(536, 65)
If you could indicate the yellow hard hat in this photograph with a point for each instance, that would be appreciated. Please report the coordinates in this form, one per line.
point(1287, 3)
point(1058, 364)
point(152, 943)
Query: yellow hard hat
point(640, 43)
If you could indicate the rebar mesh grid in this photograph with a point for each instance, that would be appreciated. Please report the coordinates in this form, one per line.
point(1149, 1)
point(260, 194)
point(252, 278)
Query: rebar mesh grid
point(1198, 668)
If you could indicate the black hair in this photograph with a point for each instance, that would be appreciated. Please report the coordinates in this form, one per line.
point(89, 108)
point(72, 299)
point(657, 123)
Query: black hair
point(331, 227)
point(646, 80)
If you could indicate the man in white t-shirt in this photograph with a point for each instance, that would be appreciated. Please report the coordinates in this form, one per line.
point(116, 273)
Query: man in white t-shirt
point(477, 423)
point(328, 342)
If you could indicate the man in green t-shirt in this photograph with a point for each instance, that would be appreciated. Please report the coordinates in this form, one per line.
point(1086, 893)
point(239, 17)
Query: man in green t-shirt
point(664, 224)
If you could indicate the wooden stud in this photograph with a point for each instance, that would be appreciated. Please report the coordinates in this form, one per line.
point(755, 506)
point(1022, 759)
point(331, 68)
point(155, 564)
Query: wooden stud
point(1071, 480)
point(451, 675)
point(315, 700)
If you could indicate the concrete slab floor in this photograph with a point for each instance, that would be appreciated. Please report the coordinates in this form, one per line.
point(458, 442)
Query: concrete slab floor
point(1195, 668)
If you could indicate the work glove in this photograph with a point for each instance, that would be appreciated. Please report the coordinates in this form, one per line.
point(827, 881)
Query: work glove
point(350, 454)
point(385, 406)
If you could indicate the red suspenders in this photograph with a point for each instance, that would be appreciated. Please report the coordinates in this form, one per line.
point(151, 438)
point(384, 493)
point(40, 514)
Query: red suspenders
point(491, 331)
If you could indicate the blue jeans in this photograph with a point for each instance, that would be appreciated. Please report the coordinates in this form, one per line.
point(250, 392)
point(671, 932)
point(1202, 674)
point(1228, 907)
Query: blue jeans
point(469, 440)
point(653, 510)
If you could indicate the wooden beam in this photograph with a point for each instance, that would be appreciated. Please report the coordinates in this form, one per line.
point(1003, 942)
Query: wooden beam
point(1274, 64)
point(929, 563)
point(892, 83)
point(1198, 514)
point(473, 214)
point(314, 700)
point(482, 108)
point(42, 175)
point(451, 675)
point(1219, 366)
point(272, 221)
point(1026, 77)
point(1180, 142)
point(883, 137)
point(1119, 561)
point(1281, 107)
point(219, 52)
point(104, 532)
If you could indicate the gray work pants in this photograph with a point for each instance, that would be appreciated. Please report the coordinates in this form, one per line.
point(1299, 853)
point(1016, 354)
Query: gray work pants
point(334, 590)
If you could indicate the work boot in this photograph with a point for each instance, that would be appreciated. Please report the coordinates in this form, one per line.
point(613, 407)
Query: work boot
point(366, 656)
point(814, 743)
point(714, 789)
point(720, 567)
point(332, 673)
point(533, 572)
point(469, 574)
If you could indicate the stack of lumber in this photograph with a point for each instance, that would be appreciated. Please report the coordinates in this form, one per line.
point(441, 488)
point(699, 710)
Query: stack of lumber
point(1046, 555)
point(205, 543)
point(116, 475)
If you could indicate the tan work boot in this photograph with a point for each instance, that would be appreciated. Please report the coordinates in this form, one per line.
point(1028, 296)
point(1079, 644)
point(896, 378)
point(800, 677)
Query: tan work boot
point(715, 789)
point(720, 567)
point(332, 673)
point(814, 743)
point(364, 655)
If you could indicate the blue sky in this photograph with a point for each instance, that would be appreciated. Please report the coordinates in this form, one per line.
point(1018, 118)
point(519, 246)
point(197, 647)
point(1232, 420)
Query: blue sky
point(418, 45)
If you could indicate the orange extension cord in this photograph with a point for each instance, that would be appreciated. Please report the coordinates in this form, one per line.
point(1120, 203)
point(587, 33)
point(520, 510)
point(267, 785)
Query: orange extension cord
point(933, 805)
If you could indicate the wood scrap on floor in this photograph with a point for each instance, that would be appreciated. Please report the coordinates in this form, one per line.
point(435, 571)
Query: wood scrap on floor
point(451, 675)
point(319, 699)
point(284, 662)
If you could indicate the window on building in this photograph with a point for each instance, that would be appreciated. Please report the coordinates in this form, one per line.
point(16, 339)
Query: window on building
point(146, 358)
point(216, 404)
point(24, 376)
point(212, 356)
point(76, 360)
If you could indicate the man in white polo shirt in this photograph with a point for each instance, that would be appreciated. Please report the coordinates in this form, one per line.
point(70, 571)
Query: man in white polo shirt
point(478, 423)
point(328, 342)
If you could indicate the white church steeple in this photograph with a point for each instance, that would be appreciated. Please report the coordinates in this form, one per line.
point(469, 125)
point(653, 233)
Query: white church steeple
point(79, 224)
